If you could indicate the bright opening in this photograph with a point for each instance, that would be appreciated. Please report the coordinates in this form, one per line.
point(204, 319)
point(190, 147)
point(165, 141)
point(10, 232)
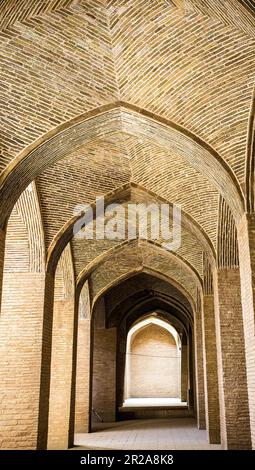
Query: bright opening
point(153, 364)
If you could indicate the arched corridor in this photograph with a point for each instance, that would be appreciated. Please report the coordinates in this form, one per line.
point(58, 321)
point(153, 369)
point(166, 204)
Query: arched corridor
point(127, 247)
point(140, 354)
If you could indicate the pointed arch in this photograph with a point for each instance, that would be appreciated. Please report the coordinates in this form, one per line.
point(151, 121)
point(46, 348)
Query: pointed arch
point(109, 119)
point(121, 195)
point(147, 270)
point(191, 277)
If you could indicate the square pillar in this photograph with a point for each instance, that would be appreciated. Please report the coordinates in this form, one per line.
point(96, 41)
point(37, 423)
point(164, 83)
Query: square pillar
point(184, 373)
point(232, 378)
point(199, 366)
point(210, 371)
point(61, 374)
point(246, 246)
point(82, 377)
point(120, 365)
point(104, 373)
point(25, 345)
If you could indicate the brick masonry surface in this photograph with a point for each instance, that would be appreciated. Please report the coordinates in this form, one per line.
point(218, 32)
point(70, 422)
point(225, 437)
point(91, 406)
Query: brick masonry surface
point(141, 102)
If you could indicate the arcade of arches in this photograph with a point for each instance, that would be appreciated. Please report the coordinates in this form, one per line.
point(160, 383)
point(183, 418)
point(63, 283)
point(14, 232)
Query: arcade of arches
point(139, 101)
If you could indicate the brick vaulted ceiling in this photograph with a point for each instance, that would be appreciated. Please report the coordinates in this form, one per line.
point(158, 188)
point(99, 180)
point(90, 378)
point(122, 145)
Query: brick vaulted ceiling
point(190, 61)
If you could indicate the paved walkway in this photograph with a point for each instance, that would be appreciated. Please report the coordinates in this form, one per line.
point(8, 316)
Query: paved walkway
point(165, 434)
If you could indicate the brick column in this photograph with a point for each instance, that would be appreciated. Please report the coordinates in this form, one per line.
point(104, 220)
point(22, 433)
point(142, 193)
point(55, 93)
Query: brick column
point(233, 393)
point(61, 374)
point(120, 366)
point(246, 245)
point(184, 372)
point(82, 376)
point(191, 373)
point(25, 344)
point(199, 366)
point(2, 246)
point(212, 412)
point(104, 373)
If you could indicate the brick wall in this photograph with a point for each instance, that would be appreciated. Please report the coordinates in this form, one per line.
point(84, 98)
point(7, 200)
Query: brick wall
point(2, 250)
point(104, 373)
point(62, 354)
point(82, 410)
point(21, 325)
point(61, 370)
point(155, 364)
point(199, 369)
point(69, 57)
point(232, 376)
point(25, 329)
point(210, 371)
point(246, 243)
point(121, 364)
point(184, 372)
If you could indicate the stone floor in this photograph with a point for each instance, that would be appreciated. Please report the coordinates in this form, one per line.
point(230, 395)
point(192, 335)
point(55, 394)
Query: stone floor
point(164, 434)
point(142, 402)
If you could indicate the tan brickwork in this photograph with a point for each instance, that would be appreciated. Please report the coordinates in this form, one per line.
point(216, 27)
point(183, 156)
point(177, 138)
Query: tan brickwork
point(90, 126)
point(138, 101)
point(184, 373)
point(155, 364)
point(210, 371)
point(180, 93)
point(26, 298)
point(55, 86)
point(136, 258)
point(120, 295)
point(2, 251)
point(62, 354)
point(104, 374)
point(21, 355)
point(82, 376)
point(232, 375)
point(199, 361)
point(246, 236)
